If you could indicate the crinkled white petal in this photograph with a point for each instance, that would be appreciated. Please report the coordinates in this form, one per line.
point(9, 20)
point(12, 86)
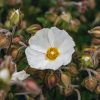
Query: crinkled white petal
point(55, 64)
point(38, 48)
point(60, 36)
point(68, 57)
point(36, 59)
point(22, 75)
point(51, 37)
point(66, 45)
point(40, 40)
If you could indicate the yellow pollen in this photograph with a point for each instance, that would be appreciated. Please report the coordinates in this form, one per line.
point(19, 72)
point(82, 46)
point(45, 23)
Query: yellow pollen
point(52, 53)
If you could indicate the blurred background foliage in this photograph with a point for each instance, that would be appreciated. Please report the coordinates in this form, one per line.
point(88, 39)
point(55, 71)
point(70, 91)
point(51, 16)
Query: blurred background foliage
point(47, 13)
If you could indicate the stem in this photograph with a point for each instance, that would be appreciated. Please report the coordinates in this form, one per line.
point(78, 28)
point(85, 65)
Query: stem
point(72, 3)
point(89, 72)
point(24, 93)
point(23, 44)
point(97, 97)
point(78, 94)
point(94, 72)
point(13, 31)
point(75, 86)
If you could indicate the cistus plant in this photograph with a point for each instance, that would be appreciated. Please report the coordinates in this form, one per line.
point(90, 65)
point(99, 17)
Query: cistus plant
point(49, 50)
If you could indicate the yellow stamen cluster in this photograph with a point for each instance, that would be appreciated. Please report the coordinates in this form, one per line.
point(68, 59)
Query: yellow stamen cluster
point(52, 54)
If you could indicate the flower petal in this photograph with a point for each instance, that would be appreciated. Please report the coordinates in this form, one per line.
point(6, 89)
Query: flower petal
point(62, 39)
point(22, 75)
point(68, 56)
point(37, 48)
point(55, 64)
point(51, 37)
point(66, 45)
point(35, 59)
point(40, 39)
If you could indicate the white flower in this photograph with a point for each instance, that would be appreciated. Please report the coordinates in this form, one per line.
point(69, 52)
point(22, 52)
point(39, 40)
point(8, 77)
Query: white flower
point(22, 75)
point(50, 49)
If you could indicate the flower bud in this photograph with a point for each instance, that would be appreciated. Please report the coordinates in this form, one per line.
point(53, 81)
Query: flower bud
point(87, 61)
point(32, 86)
point(7, 24)
point(90, 83)
point(15, 17)
point(17, 39)
point(16, 53)
point(51, 16)
point(91, 4)
point(4, 38)
point(66, 17)
point(98, 89)
point(74, 25)
point(51, 80)
point(95, 31)
point(96, 41)
point(33, 28)
point(72, 69)
point(97, 19)
point(66, 80)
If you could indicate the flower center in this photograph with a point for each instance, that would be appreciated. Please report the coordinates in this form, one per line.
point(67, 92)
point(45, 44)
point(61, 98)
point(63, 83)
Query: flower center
point(52, 53)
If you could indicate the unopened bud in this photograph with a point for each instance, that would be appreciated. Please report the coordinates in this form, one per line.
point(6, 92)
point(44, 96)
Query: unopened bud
point(15, 17)
point(4, 38)
point(98, 89)
point(33, 28)
point(90, 83)
point(51, 80)
point(91, 4)
point(65, 79)
point(95, 31)
point(16, 53)
point(66, 17)
point(74, 25)
point(17, 39)
point(72, 69)
point(32, 86)
point(87, 61)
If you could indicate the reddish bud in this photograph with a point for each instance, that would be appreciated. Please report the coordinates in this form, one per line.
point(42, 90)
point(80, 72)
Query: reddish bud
point(51, 80)
point(32, 86)
point(90, 83)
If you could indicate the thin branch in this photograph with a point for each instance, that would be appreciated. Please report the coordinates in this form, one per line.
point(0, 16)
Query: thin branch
point(78, 94)
point(13, 31)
